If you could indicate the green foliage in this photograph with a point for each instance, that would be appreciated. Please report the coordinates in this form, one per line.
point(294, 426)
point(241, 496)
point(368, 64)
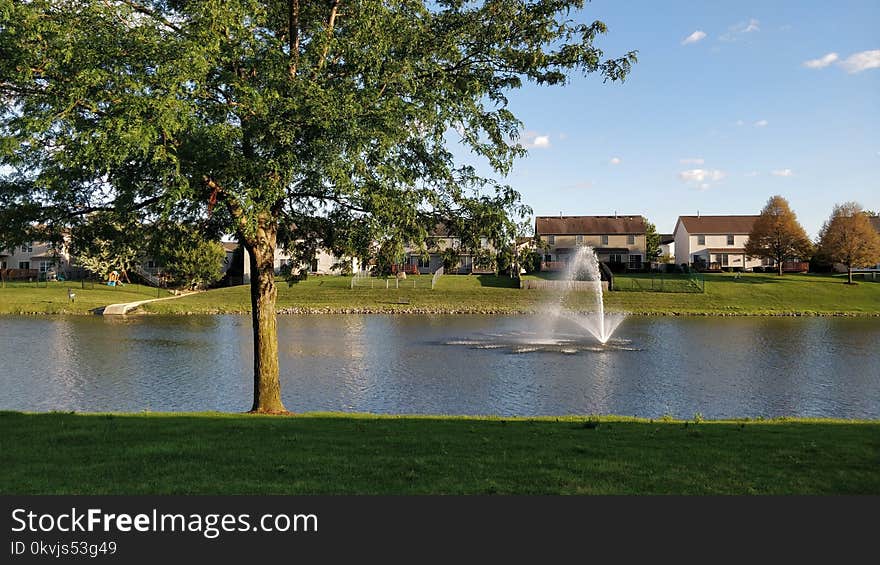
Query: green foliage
point(451, 260)
point(531, 261)
point(187, 256)
point(390, 253)
point(652, 242)
point(108, 242)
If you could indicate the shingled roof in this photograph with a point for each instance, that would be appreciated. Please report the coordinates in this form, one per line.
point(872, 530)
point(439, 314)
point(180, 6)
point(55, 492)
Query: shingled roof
point(589, 225)
point(718, 224)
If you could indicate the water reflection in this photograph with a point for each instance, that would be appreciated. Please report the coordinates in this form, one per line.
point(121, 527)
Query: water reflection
point(737, 367)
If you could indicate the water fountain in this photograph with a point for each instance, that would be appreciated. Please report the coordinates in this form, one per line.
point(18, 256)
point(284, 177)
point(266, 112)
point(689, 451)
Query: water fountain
point(564, 325)
point(583, 275)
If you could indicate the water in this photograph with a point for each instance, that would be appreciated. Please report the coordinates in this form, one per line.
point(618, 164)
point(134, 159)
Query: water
point(584, 268)
point(720, 367)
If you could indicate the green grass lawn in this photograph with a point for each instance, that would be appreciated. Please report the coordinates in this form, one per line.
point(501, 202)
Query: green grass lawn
point(750, 294)
point(315, 454)
point(19, 298)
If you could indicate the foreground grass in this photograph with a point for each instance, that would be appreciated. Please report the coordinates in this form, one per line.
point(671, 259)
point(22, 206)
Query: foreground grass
point(751, 294)
point(19, 298)
point(313, 454)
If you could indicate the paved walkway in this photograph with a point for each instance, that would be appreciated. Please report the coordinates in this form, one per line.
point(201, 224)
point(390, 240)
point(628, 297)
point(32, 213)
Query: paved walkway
point(126, 307)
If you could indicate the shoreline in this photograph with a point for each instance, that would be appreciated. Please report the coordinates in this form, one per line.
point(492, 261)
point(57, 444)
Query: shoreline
point(341, 311)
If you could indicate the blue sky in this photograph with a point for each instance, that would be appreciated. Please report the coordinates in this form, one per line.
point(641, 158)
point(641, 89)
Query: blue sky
point(771, 97)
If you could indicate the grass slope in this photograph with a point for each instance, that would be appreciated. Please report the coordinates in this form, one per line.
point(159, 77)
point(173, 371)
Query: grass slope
point(28, 299)
point(325, 453)
point(750, 294)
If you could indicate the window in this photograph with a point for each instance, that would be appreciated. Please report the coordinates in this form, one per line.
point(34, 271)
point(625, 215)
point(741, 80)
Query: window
point(701, 240)
point(630, 239)
point(615, 258)
point(604, 240)
point(26, 265)
point(551, 239)
point(424, 262)
point(579, 239)
point(28, 247)
point(548, 258)
point(730, 239)
point(45, 266)
point(635, 261)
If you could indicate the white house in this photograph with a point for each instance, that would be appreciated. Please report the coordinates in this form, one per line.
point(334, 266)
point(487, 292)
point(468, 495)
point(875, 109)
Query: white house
point(35, 259)
point(714, 242)
point(324, 263)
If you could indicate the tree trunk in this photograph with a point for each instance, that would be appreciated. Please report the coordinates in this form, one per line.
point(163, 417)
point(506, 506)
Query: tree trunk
point(779, 268)
point(849, 273)
point(267, 386)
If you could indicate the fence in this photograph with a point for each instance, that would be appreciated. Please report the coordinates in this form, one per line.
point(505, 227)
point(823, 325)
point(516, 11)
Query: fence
point(412, 282)
point(661, 282)
point(575, 286)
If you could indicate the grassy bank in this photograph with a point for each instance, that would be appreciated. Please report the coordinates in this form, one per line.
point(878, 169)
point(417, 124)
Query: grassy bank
point(751, 294)
point(21, 298)
point(239, 454)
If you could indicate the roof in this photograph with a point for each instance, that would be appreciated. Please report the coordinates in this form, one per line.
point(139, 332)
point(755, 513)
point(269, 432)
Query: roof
point(734, 250)
point(666, 238)
point(230, 245)
point(619, 250)
point(718, 224)
point(589, 225)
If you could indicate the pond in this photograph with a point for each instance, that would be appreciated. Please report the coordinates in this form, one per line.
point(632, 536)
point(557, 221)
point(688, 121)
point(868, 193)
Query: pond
point(478, 365)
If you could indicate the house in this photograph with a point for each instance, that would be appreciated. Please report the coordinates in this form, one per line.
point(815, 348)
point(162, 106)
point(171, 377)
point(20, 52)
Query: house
point(617, 239)
point(437, 242)
point(667, 245)
point(35, 259)
point(714, 242)
point(323, 263)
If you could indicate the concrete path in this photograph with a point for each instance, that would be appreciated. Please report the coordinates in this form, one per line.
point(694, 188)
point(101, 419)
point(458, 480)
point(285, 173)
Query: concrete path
point(126, 307)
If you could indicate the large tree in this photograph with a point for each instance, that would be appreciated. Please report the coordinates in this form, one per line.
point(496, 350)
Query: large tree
point(849, 238)
point(777, 235)
point(271, 113)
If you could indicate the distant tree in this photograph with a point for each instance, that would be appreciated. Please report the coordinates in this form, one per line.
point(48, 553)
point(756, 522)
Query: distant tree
point(652, 242)
point(777, 235)
point(191, 259)
point(848, 237)
point(105, 242)
point(390, 254)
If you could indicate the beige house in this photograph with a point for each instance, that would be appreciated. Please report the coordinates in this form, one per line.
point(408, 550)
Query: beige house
point(714, 242)
point(616, 239)
point(35, 259)
point(323, 263)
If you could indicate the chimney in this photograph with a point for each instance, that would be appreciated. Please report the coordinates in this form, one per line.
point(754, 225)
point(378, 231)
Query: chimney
point(615, 214)
point(560, 213)
point(698, 213)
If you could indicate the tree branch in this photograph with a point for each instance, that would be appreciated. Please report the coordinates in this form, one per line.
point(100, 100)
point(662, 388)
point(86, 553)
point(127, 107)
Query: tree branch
point(293, 35)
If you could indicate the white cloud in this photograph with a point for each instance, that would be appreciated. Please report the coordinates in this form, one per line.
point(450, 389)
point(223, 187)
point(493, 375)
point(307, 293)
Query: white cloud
point(615, 161)
point(701, 179)
point(534, 140)
point(692, 161)
point(698, 35)
point(821, 62)
point(858, 62)
point(700, 175)
point(761, 123)
point(782, 173)
point(735, 31)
